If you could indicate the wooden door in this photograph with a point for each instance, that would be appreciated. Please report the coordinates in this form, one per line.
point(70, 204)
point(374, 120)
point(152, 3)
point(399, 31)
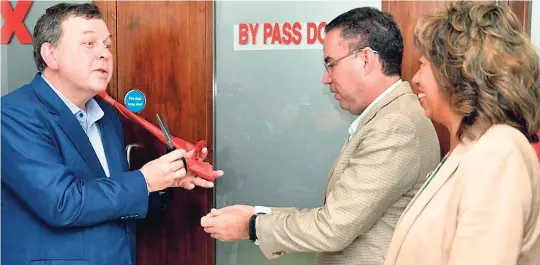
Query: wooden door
point(164, 49)
point(407, 14)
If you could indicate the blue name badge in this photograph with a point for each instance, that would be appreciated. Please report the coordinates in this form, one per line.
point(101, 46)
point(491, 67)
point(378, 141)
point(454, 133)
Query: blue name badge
point(135, 101)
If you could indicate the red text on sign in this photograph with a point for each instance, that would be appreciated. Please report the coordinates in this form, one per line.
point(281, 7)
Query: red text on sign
point(315, 32)
point(14, 22)
point(281, 33)
point(247, 30)
point(274, 33)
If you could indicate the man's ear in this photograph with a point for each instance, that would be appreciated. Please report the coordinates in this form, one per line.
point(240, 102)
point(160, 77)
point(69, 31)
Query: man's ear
point(48, 53)
point(370, 61)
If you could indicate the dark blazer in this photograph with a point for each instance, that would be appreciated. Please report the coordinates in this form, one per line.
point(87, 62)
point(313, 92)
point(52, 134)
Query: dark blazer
point(58, 207)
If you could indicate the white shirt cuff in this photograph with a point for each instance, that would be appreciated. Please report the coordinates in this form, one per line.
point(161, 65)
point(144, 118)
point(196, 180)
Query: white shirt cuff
point(262, 209)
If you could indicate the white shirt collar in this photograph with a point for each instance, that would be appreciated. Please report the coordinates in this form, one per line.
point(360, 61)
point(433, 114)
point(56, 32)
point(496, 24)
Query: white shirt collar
point(354, 125)
point(93, 110)
point(74, 108)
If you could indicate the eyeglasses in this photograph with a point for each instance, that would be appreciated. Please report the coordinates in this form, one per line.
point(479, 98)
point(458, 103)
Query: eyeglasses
point(329, 65)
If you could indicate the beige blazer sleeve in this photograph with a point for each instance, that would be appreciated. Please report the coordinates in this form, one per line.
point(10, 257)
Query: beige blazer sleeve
point(494, 208)
point(281, 210)
point(380, 170)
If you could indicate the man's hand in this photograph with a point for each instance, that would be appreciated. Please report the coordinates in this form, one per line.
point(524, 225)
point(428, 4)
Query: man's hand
point(165, 171)
point(191, 180)
point(229, 223)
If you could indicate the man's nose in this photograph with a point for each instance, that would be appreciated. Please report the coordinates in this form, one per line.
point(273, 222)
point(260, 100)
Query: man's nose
point(104, 53)
point(327, 78)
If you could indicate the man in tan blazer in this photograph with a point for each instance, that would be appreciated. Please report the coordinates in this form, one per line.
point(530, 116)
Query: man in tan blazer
point(392, 146)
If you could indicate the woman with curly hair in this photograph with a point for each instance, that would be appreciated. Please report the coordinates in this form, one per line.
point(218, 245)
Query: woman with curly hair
point(479, 77)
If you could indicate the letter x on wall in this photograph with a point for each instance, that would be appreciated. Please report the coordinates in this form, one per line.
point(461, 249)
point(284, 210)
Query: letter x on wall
point(14, 22)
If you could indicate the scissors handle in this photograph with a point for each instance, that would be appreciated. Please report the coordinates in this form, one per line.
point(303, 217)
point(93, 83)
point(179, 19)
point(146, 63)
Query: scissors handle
point(170, 146)
point(169, 149)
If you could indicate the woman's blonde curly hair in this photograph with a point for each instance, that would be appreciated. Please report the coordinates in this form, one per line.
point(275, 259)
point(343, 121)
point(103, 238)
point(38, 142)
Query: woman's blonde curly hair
point(485, 66)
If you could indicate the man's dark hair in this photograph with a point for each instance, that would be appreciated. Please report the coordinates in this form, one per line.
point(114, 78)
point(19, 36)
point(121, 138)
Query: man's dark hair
point(48, 27)
point(372, 28)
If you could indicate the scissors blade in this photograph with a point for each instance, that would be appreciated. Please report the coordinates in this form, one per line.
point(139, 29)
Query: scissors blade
point(166, 125)
point(169, 140)
point(165, 131)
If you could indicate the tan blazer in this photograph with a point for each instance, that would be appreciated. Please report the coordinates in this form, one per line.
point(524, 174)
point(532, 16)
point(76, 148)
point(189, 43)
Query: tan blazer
point(481, 208)
point(372, 181)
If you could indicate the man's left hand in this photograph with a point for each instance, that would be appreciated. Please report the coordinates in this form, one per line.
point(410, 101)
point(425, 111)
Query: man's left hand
point(230, 223)
point(191, 180)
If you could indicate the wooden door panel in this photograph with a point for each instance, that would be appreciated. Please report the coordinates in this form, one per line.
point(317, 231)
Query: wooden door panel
point(407, 13)
point(164, 49)
point(521, 9)
point(108, 9)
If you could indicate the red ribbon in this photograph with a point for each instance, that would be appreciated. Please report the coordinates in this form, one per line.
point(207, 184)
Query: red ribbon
point(200, 168)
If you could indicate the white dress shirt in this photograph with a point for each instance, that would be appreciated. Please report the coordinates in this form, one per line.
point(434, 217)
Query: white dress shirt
point(88, 121)
point(354, 125)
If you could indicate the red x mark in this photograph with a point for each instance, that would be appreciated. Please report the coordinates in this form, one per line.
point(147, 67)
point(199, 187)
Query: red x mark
point(13, 22)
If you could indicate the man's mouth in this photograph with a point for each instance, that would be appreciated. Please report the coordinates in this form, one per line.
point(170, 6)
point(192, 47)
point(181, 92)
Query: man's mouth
point(102, 70)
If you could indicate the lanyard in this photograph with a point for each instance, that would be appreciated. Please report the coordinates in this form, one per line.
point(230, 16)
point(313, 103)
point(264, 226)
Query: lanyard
point(436, 170)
